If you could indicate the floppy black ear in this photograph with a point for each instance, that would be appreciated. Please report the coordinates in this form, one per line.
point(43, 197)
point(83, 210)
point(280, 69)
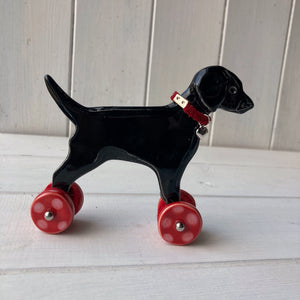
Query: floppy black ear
point(212, 87)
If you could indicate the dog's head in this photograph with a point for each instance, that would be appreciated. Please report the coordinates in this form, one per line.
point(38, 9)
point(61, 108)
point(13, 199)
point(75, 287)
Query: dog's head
point(216, 87)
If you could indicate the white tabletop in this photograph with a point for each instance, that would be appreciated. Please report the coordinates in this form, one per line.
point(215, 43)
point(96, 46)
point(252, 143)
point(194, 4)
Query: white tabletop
point(249, 247)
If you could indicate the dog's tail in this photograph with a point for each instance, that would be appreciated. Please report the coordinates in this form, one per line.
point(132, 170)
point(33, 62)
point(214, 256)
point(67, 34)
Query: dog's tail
point(70, 107)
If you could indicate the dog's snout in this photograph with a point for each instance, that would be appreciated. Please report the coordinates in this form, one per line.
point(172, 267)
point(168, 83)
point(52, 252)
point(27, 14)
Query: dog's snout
point(245, 105)
point(249, 103)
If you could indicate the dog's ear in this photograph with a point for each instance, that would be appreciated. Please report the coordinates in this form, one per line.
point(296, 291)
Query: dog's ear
point(210, 85)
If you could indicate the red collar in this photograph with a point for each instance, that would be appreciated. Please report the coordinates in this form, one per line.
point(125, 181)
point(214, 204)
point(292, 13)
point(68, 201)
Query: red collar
point(190, 110)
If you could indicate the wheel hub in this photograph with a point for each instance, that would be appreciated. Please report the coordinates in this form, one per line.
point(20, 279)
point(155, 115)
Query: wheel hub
point(49, 215)
point(179, 226)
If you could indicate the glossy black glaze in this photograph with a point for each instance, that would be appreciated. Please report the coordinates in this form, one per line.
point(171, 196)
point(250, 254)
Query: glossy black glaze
point(162, 138)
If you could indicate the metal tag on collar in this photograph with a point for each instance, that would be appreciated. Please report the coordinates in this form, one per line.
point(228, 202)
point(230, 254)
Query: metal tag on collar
point(182, 102)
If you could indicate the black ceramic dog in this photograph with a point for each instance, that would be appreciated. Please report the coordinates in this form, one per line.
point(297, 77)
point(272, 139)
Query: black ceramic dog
point(162, 138)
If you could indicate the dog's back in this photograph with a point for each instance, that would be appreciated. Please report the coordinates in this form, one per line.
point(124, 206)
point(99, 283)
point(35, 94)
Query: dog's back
point(158, 136)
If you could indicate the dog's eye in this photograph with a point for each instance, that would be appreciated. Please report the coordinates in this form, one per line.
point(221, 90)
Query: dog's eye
point(232, 90)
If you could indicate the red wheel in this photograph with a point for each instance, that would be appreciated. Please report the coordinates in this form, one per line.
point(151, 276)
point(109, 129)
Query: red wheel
point(76, 196)
point(52, 211)
point(186, 197)
point(179, 223)
point(161, 205)
point(48, 187)
point(75, 193)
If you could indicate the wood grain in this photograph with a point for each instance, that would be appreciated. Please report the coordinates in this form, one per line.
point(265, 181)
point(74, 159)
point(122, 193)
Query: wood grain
point(287, 134)
point(254, 46)
point(274, 280)
point(35, 40)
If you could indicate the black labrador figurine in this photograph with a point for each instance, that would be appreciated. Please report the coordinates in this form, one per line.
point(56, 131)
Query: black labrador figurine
point(164, 138)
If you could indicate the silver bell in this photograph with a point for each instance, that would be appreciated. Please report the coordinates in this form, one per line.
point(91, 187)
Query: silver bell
point(202, 130)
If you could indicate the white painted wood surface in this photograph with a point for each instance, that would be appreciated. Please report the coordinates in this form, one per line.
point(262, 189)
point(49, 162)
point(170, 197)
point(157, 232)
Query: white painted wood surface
point(286, 133)
point(217, 171)
point(185, 38)
point(182, 44)
point(249, 247)
point(270, 280)
point(111, 52)
point(34, 40)
point(132, 52)
point(253, 49)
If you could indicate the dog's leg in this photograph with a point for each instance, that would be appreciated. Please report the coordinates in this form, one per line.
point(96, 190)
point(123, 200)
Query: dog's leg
point(74, 167)
point(169, 179)
point(67, 174)
point(169, 183)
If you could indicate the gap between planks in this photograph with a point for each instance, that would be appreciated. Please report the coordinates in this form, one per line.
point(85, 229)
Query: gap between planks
point(220, 62)
point(282, 73)
point(150, 53)
point(34, 193)
point(72, 59)
point(170, 266)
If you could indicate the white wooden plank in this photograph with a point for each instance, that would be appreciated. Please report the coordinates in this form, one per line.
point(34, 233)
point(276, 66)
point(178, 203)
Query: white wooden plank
point(274, 280)
point(47, 146)
point(35, 40)
point(32, 174)
point(33, 145)
point(117, 230)
point(287, 135)
point(247, 157)
point(253, 49)
point(186, 39)
point(111, 48)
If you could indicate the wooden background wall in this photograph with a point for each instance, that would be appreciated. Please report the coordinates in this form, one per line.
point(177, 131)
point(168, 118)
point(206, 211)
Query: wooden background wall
point(137, 52)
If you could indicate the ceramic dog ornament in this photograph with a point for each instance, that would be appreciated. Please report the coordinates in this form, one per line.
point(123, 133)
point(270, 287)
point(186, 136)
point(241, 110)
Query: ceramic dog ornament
point(164, 138)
